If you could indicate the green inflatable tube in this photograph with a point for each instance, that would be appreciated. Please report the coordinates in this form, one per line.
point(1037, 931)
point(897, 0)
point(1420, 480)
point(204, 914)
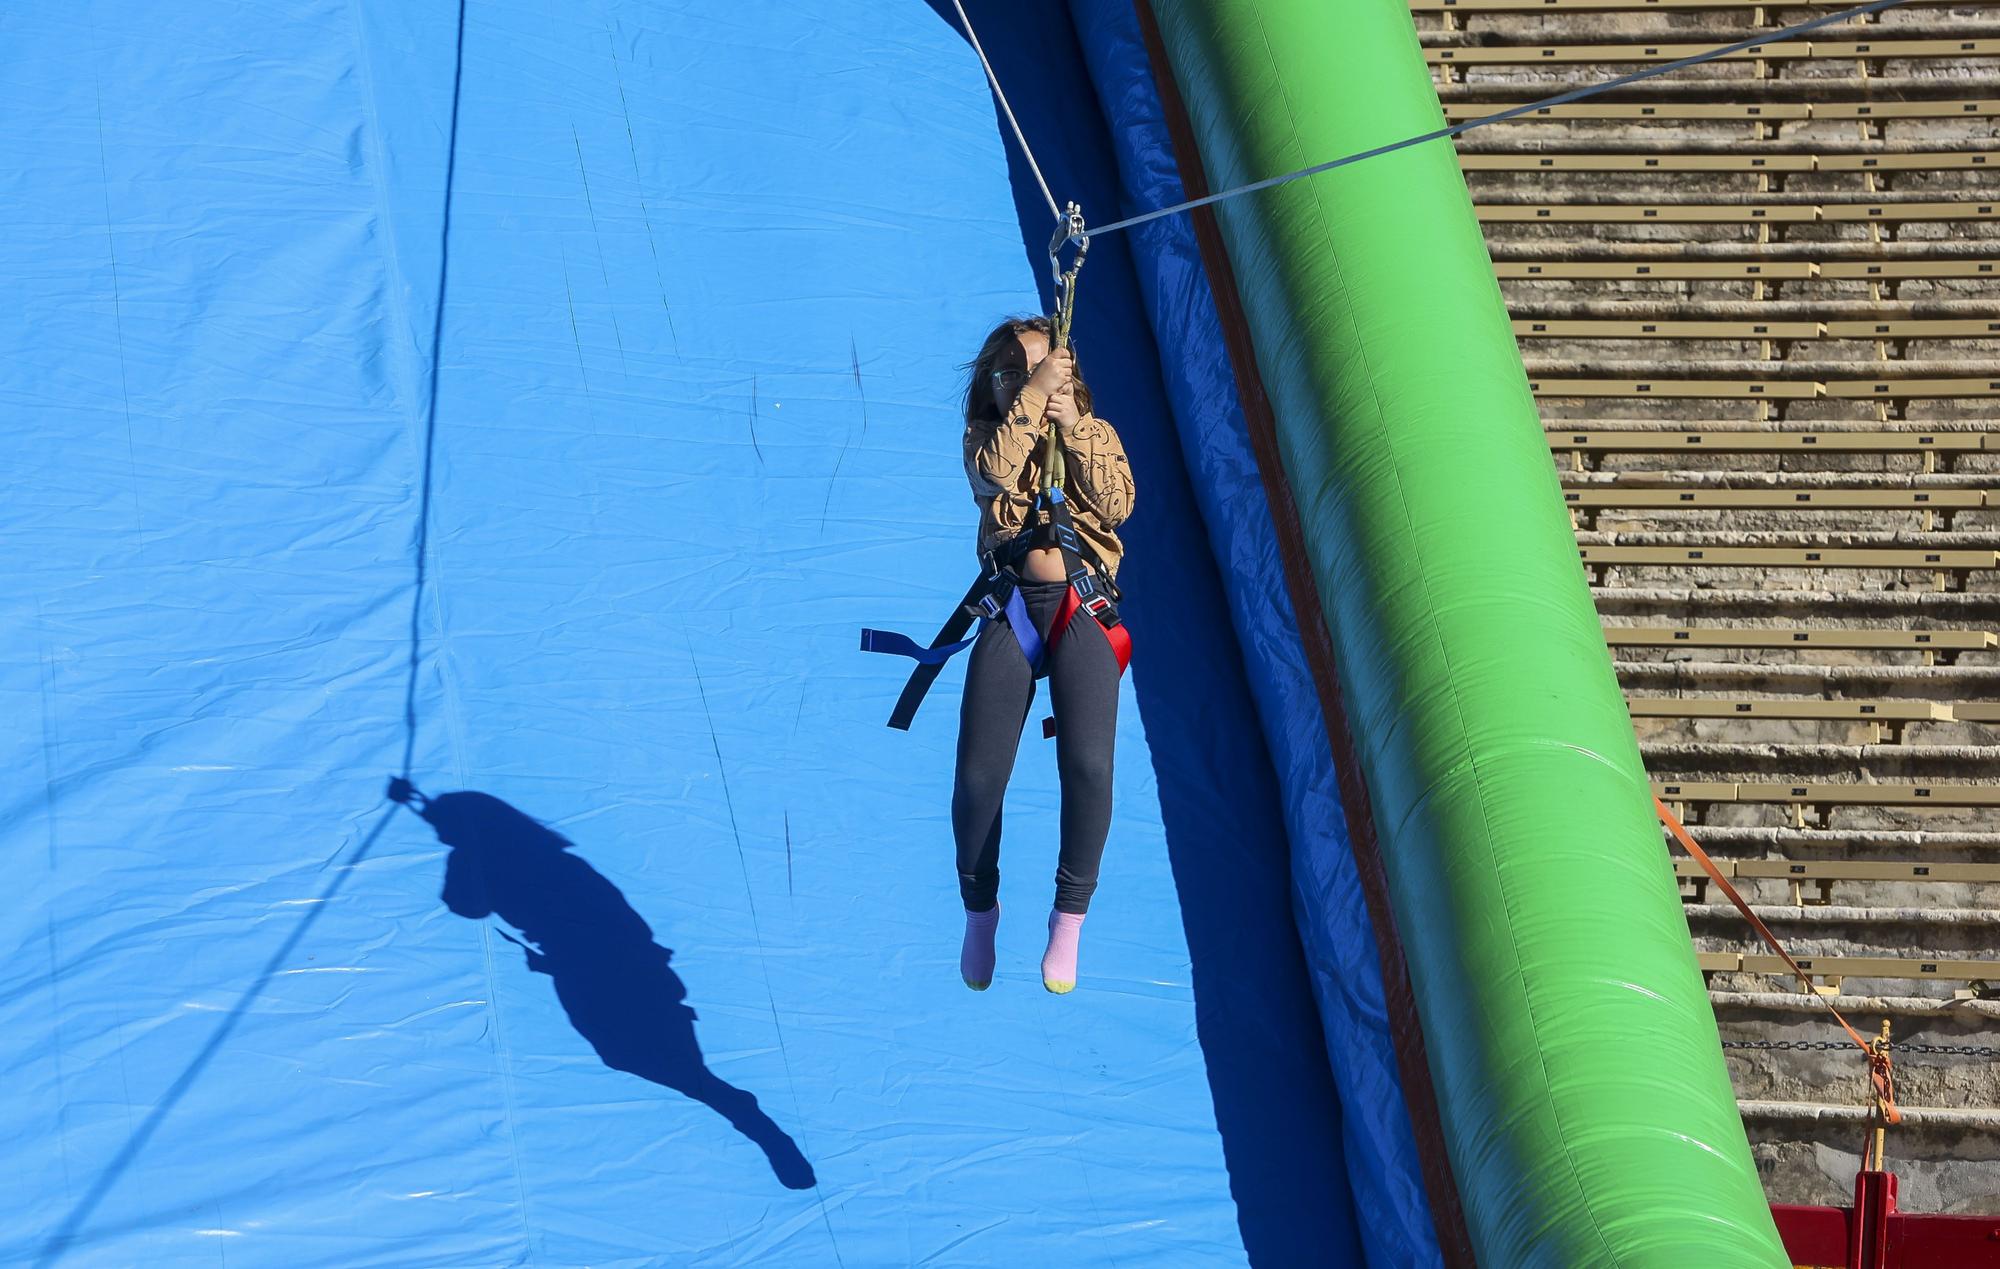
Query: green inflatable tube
point(1588, 1117)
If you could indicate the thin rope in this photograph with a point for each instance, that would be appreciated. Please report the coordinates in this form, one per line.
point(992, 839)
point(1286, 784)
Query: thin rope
point(1008, 110)
point(1575, 94)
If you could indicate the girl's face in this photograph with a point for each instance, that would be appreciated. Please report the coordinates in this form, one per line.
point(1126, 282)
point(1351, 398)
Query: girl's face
point(1014, 364)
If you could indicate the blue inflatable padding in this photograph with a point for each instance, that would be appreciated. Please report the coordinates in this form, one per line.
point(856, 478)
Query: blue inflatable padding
point(532, 402)
point(1382, 1163)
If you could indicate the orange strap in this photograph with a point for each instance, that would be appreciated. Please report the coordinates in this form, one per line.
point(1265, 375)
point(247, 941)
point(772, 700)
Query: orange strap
point(1878, 1062)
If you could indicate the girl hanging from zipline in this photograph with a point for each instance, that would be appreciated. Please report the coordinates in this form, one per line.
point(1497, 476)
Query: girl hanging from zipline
point(1052, 485)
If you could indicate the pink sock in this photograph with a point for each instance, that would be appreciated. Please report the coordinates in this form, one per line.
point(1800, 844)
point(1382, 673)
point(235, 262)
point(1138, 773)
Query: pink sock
point(975, 955)
point(1059, 962)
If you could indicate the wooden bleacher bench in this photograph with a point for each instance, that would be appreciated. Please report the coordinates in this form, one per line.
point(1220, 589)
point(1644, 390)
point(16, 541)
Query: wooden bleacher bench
point(1529, 54)
point(1822, 874)
point(1544, 6)
point(1885, 719)
point(1598, 497)
point(1727, 214)
point(1460, 111)
point(1801, 795)
point(1645, 213)
point(1924, 793)
point(1934, 162)
point(1664, 328)
point(1903, 389)
point(1533, 161)
point(1945, 564)
point(1820, 799)
point(1748, 270)
point(1903, 109)
point(1768, 389)
point(1877, 50)
point(1538, 162)
point(1835, 968)
point(1744, 440)
point(1976, 711)
point(1680, 792)
point(1898, 270)
point(1803, 708)
point(1926, 641)
point(1705, 389)
point(1554, 328)
point(1868, 870)
point(1665, 270)
point(1916, 328)
point(1904, 212)
point(1791, 50)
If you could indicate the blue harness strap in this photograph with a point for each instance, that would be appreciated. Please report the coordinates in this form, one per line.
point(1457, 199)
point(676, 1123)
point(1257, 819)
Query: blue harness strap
point(1014, 611)
point(930, 660)
point(901, 645)
point(1024, 630)
point(981, 603)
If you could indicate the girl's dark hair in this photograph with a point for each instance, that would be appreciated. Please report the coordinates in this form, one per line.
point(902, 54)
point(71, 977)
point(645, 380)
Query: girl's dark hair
point(980, 404)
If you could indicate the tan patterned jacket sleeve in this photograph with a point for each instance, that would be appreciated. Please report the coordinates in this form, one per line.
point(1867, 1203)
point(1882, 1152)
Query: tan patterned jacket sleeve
point(996, 453)
point(1099, 471)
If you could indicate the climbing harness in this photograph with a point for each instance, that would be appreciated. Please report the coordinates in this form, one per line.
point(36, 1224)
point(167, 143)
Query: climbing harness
point(996, 596)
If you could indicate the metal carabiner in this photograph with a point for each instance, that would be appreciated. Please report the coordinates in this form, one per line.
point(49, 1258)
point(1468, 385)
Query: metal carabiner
point(1070, 227)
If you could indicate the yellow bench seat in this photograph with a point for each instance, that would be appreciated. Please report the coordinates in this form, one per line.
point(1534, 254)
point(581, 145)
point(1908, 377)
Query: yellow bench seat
point(1835, 968)
point(1805, 709)
point(1846, 640)
point(1842, 870)
point(1461, 111)
point(1596, 498)
point(1914, 558)
point(1745, 441)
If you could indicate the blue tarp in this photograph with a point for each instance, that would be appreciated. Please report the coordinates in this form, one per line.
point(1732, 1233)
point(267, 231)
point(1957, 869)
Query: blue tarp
point(533, 399)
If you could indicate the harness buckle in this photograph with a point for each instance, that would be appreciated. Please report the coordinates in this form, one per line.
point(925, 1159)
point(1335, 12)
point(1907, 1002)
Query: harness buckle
point(1100, 608)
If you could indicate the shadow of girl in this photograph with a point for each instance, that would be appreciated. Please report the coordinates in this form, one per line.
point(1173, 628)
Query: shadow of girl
point(613, 980)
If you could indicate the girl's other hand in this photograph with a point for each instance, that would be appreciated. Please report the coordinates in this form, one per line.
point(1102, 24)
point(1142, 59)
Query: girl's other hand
point(1053, 374)
point(1062, 407)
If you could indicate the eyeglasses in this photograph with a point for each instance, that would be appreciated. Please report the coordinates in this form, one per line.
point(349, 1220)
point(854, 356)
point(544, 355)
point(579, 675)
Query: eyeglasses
point(1009, 380)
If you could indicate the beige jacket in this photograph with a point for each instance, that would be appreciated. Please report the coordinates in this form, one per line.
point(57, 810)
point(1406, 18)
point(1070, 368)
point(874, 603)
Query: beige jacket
point(1003, 460)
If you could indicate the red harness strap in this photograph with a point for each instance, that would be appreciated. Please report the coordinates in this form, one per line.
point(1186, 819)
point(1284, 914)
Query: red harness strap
point(1117, 636)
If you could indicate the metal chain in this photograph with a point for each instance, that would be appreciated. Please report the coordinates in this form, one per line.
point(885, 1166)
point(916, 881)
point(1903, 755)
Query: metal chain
point(1954, 1050)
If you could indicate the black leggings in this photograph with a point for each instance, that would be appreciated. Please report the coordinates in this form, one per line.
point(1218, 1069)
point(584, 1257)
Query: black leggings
point(999, 689)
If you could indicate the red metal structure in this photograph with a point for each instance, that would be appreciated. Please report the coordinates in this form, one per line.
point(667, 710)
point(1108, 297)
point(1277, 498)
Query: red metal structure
point(1874, 1235)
